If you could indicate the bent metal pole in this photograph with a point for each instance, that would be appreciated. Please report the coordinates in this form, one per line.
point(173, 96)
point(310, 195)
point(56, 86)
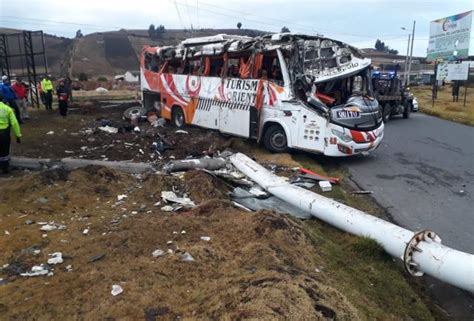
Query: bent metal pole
point(421, 252)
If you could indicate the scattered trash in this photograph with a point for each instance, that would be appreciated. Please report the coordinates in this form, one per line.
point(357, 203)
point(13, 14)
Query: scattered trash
point(121, 197)
point(180, 131)
point(169, 196)
point(97, 257)
point(205, 238)
point(86, 231)
point(136, 129)
point(157, 203)
point(101, 90)
point(56, 258)
point(362, 192)
point(7, 233)
point(169, 242)
point(50, 133)
point(109, 129)
point(29, 222)
point(157, 253)
point(186, 257)
point(48, 228)
point(36, 270)
point(69, 268)
point(318, 177)
point(188, 164)
point(183, 232)
point(167, 208)
point(116, 290)
point(36, 252)
point(325, 186)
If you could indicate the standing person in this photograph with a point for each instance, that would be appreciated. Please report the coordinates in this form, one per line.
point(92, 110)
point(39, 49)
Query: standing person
point(7, 121)
point(21, 92)
point(68, 84)
point(47, 88)
point(455, 91)
point(63, 96)
point(9, 96)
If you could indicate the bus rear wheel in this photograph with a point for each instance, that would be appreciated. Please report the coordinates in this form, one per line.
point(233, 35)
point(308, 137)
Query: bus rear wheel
point(177, 117)
point(275, 139)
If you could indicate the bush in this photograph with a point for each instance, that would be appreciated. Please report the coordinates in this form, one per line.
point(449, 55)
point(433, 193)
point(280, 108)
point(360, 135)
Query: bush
point(102, 78)
point(82, 76)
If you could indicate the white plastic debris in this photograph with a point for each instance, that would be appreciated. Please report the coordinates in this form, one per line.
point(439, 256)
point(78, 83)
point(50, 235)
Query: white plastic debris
point(69, 268)
point(36, 270)
point(167, 208)
point(170, 196)
point(101, 90)
point(183, 232)
point(186, 257)
point(56, 258)
point(180, 131)
point(136, 129)
point(205, 238)
point(109, 129)
point(36, 252)
point(116, 290)
point(48, 228)
point(157, 203)
point(257, 191)
point(86, 231)
point(158, 253)
point(121, 197)
point(7, 233)
point(50, 133)
point(325, 186)
point(169, 242)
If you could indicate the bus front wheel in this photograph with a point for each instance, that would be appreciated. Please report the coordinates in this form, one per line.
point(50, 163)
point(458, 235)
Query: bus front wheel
point(275, 139)
point(177, 117)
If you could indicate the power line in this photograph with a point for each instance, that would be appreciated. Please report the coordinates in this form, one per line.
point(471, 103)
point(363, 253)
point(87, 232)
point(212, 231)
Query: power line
point(179, 15)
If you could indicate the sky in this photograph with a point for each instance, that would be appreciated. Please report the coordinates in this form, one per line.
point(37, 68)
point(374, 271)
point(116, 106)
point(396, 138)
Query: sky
point(357, 22)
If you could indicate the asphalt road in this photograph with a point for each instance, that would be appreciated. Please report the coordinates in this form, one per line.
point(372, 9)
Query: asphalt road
point(423, 173)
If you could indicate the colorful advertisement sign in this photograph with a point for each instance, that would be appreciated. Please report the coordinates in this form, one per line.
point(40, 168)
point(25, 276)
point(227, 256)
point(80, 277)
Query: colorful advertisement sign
point(449, 37)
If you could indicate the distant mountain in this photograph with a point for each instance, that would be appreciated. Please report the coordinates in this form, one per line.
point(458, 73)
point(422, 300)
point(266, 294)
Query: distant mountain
point(113, 52)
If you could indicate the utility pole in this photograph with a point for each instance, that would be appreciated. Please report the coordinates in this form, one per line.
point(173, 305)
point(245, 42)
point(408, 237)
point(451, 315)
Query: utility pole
point(411, 52)
point(405, 69)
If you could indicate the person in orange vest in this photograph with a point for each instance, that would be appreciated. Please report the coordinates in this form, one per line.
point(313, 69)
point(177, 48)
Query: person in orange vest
point(8, 121)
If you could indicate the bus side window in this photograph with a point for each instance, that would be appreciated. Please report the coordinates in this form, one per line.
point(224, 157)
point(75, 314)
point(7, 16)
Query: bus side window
point(153, 62)
point(217, 63)
point(271, 65)
point(173, 66)
point(232, 67)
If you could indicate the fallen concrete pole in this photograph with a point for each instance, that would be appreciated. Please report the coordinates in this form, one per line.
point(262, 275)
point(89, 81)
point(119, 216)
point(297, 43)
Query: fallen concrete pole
point(421, 252)
point(72, 163)
point(201, 163)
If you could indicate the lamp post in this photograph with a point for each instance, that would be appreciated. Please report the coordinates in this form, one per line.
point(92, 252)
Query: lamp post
point(411, 53)
point(405, 68)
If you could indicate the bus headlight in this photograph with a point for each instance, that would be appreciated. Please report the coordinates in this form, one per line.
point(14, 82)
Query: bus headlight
point(341, 135)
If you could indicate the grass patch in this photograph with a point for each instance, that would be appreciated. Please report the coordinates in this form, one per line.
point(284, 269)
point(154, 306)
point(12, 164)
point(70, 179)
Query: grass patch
point(444, 107)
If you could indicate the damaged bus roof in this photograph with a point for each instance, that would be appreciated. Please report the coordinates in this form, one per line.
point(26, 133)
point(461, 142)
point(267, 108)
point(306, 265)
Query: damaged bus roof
point(322, 59)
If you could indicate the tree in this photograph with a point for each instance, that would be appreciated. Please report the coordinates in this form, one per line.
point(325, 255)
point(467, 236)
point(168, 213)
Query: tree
point(285, 29)
point(239, 25)
point(151, 31)
point(79, 34)
point(380, 46)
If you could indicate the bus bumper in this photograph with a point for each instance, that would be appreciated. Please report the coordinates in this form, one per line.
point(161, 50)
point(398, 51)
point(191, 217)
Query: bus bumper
point(341, 141)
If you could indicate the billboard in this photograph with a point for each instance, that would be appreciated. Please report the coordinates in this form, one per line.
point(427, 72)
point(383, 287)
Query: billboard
point(449, 37)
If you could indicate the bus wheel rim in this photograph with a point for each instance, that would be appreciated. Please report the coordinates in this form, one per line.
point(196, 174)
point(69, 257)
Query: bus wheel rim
point(279, 140)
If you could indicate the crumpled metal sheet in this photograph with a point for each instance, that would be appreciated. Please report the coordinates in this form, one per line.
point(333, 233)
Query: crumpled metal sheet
point(252, 202)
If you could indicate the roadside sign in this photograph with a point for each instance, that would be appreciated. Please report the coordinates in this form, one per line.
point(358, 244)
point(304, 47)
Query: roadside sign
point(449, 37)
point(442, 71)
point(458, 71)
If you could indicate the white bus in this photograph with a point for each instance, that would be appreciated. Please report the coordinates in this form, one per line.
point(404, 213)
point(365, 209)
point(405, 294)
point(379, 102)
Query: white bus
point(284, 90)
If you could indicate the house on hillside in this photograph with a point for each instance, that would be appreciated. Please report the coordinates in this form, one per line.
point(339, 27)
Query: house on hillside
point(128, 76)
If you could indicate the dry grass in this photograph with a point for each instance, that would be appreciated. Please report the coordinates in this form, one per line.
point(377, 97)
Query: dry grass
point(444, 107)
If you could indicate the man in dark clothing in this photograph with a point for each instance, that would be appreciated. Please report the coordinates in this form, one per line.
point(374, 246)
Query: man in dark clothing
point(455, 91)
point(63, 96)
point(9, 97)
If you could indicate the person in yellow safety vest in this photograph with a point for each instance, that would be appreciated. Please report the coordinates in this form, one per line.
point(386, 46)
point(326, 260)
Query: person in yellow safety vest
point(47, 88)
point(7, 121)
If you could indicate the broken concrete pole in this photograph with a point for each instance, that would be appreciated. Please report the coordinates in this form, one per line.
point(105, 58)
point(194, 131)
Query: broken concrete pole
point(188, 164)
point(72, 163)
point(421, 252)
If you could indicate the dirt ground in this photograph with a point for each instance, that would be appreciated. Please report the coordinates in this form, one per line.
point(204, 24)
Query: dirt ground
point(256, 266)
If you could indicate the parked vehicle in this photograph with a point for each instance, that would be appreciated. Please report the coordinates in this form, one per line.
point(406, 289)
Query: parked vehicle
point(284, 90)
point(394, 98)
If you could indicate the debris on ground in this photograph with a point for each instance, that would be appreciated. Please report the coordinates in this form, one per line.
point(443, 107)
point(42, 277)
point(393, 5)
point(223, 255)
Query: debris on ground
point(361, 192)
point(55, 258)
point(116, 290)
point(309, 174)
point(325, 186)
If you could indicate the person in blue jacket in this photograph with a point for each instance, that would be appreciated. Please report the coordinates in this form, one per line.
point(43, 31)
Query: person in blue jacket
point(9, 97)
